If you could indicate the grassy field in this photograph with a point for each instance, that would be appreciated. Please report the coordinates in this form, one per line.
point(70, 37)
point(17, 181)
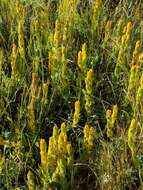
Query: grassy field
point(71, 95)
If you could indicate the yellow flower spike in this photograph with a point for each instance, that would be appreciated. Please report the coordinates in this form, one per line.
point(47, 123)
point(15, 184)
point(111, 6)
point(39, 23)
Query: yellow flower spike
point(124, 29)
point(51, 146)
point(118, 32)
point(76, 114)
point(89, 137)
point(133, 80)
point(86, 132)
point(137, 47)
point(63, 54)
point(131, 138)
point(19, 9)
point(129, 27)
point(62, 146)
point(96, 13)
point(89, 91)
point(43, 146)
point(65, 35)
point(62, 141)
point(55, 132)
point(114, 114)
point(111, 118)
point(53, 142)
point(59, 175)
point(89, 81)
point(122, 59)
point(30, 181)
point(43, 153)
point(139, 93)
point(13, 62)
point(119, 24)
point(21, 43)
point(57, 34)
point(84, 56)
point(135, 59)
point(63, 128)
point(52, 154)
point(79, 61)
point(127, 39)
point(123, 39)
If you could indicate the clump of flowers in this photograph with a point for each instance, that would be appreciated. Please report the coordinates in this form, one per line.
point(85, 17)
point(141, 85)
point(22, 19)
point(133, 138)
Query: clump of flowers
point(111, 117)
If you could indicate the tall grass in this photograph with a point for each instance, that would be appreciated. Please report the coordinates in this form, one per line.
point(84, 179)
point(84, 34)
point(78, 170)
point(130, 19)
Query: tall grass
point(71, 95)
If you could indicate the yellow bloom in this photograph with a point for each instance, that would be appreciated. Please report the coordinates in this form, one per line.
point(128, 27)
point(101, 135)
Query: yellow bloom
point(114, 114)
point(133, 81)
point(76, 113)
point(131, 137)
point(89, 91)
point(62, 141)
point(43, 153)
point(89, 137)
point(57, 34)
point(111, 118)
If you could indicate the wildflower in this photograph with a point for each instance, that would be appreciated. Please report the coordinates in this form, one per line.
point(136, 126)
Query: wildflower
point(89, 137)
point(57, 34)
point(111, 118)
point(82, 58)
point(62, 141)
point(137, 47)
point(133, 80)
point(43, 153)
point(89, 91)
point(59, 175)
point(96, 13)
point(139, 93)
point(131, 137)
point(21, 44)
point(76, 113)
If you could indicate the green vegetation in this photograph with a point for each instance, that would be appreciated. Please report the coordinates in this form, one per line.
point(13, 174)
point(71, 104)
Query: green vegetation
point(71, 95)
